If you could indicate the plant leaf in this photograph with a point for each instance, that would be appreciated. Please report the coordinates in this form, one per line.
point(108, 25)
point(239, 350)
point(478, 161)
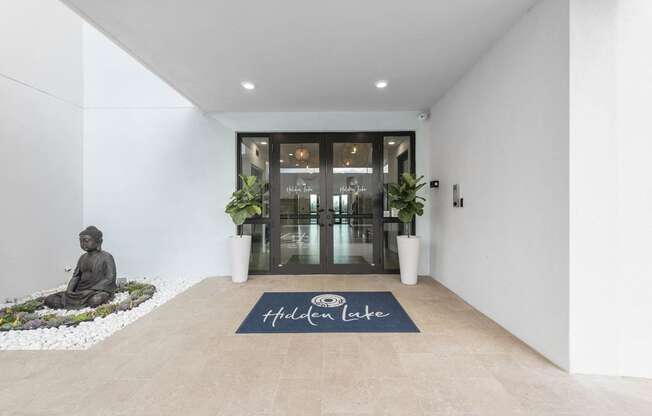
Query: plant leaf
point(239, 217)
point(405, 216)
point(246, 201)
point(403, 196)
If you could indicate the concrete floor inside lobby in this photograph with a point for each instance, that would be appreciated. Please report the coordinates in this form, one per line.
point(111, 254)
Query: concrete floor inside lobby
point(184, 358)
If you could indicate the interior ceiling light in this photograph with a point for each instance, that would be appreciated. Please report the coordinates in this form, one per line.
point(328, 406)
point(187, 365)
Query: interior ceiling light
point(263, 142)
point(248, 85)
point(381, 84)
point(301, 153)
point(354, 150)
point(281, 160)
point(391, 143)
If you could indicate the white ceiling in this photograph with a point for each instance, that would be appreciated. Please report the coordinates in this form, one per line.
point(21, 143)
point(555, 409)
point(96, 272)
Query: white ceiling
point(306, 55)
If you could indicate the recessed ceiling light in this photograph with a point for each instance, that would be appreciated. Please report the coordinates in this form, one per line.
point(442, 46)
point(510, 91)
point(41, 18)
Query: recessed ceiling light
point(281, 160)
point(381, 84)
point(247, 85)
point(391, 143)
point(263, 142)
point(290, 154)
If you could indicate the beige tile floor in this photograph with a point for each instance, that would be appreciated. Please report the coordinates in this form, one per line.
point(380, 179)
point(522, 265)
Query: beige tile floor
point(184, 359)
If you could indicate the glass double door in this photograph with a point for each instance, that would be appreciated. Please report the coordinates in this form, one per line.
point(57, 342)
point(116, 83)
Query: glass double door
point(326, 203)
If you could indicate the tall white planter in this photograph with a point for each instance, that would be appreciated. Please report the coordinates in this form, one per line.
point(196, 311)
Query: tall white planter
point(240, 251)
point(408, 257)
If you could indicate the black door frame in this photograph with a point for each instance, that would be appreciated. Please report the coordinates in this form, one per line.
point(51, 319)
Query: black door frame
point(274, 204)
point(377, 160)
point(325, 140)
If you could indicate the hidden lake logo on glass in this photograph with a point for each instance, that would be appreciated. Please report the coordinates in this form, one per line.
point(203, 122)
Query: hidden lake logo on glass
point(352, 189)
point(299, 189)
point(327, 312)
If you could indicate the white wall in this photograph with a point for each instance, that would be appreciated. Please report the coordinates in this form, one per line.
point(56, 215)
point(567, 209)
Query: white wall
point(502, 134)
point(40, 144)
point(635, 198)
point(157, 172)
point(40, 46)
point(155, 182)
point(594, 235)
point(611, 191)
point(350, 121)
point(114, 79)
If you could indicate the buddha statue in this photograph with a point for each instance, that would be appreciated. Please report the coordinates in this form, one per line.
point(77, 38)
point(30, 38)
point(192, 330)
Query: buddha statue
point(94, 281)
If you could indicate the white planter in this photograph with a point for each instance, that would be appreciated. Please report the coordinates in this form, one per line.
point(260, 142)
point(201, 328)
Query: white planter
point(408, 257)
point(240, 251)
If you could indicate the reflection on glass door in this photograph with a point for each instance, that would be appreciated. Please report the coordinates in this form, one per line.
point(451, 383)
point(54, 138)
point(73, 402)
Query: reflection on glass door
point(325, 206)
point(353, 188)
point(398, 158)
point(326, 202)
point(300, 186)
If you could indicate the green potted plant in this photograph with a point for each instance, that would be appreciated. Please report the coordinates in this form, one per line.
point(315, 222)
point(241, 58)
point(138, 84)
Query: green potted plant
point(244, 203)
point(404, 198)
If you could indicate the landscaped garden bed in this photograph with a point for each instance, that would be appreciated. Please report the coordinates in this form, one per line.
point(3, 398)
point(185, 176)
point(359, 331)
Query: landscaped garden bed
point(34, 314)
point(89, 331)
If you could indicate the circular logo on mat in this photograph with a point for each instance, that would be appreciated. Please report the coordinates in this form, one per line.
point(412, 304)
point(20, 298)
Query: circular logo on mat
point(328, 301)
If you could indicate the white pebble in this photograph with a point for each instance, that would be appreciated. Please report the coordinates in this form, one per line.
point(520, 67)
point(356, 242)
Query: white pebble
point(86, 334)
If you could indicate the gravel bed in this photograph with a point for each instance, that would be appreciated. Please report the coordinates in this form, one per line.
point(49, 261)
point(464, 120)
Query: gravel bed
point(86, 334)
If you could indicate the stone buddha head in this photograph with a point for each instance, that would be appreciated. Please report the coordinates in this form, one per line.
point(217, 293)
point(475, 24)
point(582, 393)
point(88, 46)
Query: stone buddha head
point(90, 239)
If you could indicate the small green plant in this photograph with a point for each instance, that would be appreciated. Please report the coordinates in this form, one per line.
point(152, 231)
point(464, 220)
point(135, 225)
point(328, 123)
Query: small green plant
point(30, 306)
point(245, 202)
point(404, 197)
point(23, 317)
point(81, 317)
point(105, 310)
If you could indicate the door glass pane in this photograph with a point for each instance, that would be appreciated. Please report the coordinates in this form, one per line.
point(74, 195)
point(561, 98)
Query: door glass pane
point(254, 161)
point(299, 203)
point(390, 250)
point(260, 247)
point(353, 189)
point(396, 161)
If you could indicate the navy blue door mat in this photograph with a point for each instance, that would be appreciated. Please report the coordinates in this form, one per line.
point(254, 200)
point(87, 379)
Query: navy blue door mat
point(296, 312)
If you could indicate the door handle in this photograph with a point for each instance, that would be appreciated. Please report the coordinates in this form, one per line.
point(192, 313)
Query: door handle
point(329, 218)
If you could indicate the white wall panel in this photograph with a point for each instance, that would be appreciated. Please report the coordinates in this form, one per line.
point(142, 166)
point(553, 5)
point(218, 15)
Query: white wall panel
point(502, 134)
